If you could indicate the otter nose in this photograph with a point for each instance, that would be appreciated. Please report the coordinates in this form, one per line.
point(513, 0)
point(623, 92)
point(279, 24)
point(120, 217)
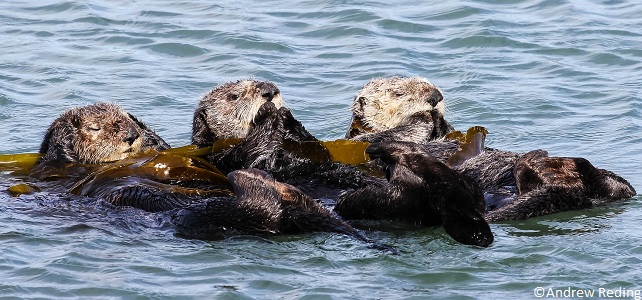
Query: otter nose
point(132, 135)
point(268, 90)
point(435, 97)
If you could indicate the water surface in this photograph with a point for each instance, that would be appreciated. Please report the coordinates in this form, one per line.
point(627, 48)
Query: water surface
point(558, 75)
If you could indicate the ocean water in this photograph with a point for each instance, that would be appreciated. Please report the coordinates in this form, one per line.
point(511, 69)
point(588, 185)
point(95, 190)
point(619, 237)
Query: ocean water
point(560, 75)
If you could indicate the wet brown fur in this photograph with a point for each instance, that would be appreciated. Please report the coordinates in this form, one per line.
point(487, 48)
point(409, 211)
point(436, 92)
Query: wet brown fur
point(97, 133)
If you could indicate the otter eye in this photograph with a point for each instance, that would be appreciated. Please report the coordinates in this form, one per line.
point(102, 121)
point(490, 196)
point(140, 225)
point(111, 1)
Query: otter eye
point(362, 101)
point(233, 97)
point(92, 127)
point(399, 94)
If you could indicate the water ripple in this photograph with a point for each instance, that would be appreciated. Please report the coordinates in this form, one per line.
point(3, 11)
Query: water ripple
point(558, 75)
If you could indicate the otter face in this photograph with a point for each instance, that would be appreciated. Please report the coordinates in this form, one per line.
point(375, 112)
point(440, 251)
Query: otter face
point(97, 133)
point(229, 109)
point(385, 103)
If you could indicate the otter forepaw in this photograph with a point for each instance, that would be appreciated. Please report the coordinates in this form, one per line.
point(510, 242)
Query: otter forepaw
point(266, 110)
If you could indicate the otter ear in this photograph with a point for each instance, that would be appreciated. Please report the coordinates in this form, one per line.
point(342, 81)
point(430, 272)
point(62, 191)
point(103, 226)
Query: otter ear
point(202, 136)
point(469, 230)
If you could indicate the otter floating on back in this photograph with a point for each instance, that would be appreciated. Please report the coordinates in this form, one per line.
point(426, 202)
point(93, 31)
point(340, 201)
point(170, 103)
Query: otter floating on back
point(409, 109)
point(229, 109)
point(97, 133)
point(516, 185)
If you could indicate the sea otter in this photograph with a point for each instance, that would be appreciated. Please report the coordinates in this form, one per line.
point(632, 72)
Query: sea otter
point(97, 133)
point(516, 185)
point(407, 109)
point(276, 142)
point(229, 109)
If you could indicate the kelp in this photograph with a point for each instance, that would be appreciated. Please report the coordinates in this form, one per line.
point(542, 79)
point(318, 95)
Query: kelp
point(22, 189)
point(471, 144)
point(167, 169)
point(18, 164)
point(341, 150)
point(160, 167)
point(347, 151)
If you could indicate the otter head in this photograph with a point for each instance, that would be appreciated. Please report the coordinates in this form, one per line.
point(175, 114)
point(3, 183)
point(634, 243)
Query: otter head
point(229, 109)
point(385, 103)
point(97, 133)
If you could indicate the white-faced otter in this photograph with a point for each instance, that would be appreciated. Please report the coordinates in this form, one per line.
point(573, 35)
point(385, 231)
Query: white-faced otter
point(407, 109)
point(516, 185)
point(97, 133)
point(270, 137)
point(229, 109)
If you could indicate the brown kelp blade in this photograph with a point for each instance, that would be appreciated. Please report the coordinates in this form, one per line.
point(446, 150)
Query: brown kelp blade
point(22, 188)
point(357, 127)
point(347, 152)
point(159, 166)
point(189, 150)
point(472, 144)
point(18, 164)
point(343, 151)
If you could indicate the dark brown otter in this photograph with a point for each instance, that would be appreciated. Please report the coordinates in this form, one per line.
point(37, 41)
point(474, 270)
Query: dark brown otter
point(262, 206)
point(247, 201)
point(84, 139)
point(423, 191)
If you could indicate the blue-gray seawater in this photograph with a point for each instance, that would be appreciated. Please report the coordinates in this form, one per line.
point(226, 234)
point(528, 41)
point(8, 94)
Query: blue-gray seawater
point(560, 75)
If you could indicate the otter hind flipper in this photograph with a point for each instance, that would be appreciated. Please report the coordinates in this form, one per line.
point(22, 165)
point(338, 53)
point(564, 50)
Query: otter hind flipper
point(539, 202)
point(469, 230)
point(608, 187)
